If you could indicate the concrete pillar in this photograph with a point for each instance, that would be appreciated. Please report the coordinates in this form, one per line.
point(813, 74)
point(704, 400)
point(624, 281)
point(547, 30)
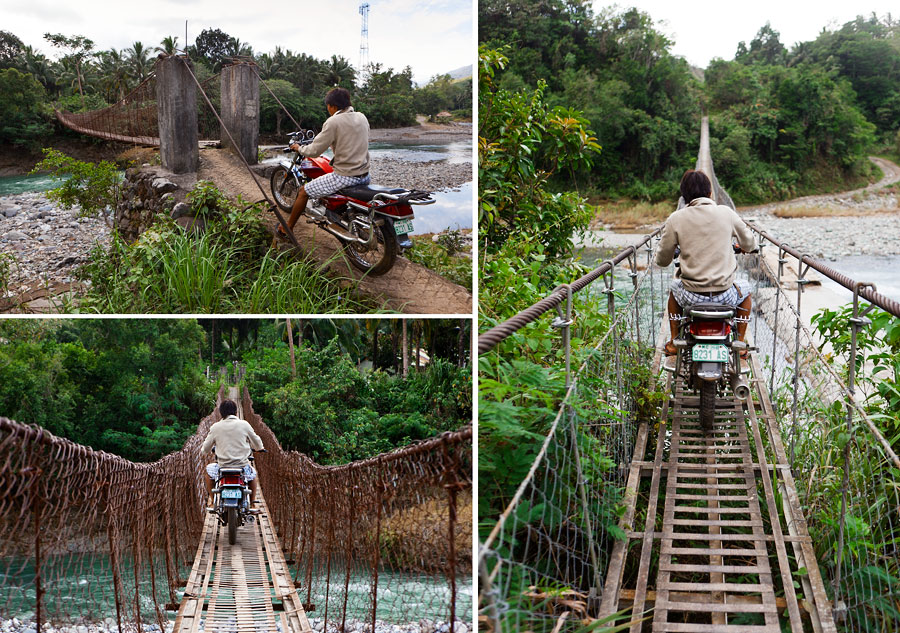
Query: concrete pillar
point(176, 98)
point(240, 109)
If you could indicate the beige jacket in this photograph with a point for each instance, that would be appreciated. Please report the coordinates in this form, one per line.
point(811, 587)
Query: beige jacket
point(347, 133)
point(233, 439)
point(704, 230)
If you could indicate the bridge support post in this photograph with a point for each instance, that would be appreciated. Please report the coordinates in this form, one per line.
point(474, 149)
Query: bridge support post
point(176, 97)
point(240, 109)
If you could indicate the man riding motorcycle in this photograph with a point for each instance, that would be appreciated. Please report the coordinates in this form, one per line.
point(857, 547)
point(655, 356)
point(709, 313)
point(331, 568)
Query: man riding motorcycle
point(347, 133)
point(234, 440)
point(704, 230)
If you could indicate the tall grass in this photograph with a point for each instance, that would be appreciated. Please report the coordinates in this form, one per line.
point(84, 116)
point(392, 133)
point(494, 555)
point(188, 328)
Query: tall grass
point(169, 271)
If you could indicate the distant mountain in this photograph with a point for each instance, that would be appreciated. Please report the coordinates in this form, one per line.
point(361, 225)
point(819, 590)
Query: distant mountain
point(461, 73)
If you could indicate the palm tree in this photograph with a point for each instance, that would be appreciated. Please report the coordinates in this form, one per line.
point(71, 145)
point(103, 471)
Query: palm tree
point(139, 60)
point(41, 68)
point(338, 72)
point(114, 74)
point(168, 45)
point(268, 66)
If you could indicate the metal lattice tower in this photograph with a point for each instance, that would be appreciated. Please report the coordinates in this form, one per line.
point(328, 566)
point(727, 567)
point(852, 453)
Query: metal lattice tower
point(364, 37)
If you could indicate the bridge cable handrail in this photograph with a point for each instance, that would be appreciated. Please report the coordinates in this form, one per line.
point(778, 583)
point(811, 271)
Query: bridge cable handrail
point(491, 338)
point(485, 545)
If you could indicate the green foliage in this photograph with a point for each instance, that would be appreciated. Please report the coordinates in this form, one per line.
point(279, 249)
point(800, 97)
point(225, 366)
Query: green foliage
point(444, 93)
point(7, 261)
point(133, 387)
point(522, 143)
point(442, 258)
point(207, 200)
point(335, 414)
point(93, 188)
point(23, 115)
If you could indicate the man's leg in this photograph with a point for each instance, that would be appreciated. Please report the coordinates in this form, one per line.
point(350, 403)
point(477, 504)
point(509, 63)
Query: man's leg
point(743, 311)
point(673, 309)
point(209, 486)
point(298, 208)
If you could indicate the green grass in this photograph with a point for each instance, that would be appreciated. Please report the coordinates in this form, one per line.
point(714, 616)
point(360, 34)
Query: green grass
point(169, 271)
point(455, 268)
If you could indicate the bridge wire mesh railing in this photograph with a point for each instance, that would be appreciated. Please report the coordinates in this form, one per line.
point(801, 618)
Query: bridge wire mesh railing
point(399, 524)
point(88, 536)
point(847, 471)
point(545, 558)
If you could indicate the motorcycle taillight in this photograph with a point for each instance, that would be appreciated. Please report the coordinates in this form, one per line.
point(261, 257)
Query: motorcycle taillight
point(229, 480)
point(710, 328)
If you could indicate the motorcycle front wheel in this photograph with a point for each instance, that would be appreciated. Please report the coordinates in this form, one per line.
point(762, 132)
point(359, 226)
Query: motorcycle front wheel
point(378, 258)
point(284, 188)
point(707, 404)
point(232, 525)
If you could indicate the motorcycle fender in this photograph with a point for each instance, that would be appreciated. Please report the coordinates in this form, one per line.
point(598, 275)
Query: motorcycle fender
point(287, 165)
point(709, 372)
point(231, 503)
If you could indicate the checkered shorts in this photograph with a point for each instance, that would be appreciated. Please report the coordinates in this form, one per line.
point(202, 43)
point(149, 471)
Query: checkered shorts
point(731, 297)
point(213, 471)
point(330, 183)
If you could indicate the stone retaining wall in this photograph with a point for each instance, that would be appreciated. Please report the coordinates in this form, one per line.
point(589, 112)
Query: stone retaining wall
point(147, 191)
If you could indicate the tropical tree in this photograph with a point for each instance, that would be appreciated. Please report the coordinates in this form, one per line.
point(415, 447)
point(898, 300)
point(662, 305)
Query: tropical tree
point(338, 72)
point(11, 48)
point(139, 61)
point(168, 45)
point(38, 66)
point(115, 74)
point(79, 51)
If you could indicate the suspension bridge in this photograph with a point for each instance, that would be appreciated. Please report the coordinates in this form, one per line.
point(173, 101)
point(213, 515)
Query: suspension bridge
point(147, 117)
point(756, 525)
point(88, 537)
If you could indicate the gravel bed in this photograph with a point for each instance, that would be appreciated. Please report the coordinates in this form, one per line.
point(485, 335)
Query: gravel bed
point(47, 242)
point(428, 176)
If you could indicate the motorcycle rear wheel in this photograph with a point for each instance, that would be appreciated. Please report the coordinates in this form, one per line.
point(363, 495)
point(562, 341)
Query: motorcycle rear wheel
point(707, 404)
point(378, 259)
point(284, 188)
point(232, 525)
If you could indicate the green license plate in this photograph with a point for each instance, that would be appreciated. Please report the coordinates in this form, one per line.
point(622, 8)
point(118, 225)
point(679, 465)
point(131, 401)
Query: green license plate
point(232, 493)
point(402, 227)
point(705, 353)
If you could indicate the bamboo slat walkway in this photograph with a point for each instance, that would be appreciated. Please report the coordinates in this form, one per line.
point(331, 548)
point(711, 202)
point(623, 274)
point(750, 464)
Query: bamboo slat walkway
point(237, 588)
point(723, 544)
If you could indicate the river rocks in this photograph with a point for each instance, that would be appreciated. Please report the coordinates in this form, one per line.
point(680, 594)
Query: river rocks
point(834, 237)
point(47, 243)
point(163, 185)
point(180, 209)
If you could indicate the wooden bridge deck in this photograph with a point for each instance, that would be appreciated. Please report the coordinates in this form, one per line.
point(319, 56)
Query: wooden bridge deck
point(724, 544)
point(245, 587)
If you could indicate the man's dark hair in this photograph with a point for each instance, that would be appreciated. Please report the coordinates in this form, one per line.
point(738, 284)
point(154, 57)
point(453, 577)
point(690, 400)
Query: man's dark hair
point(695, 184)
point(338, 97)
point(228, 407)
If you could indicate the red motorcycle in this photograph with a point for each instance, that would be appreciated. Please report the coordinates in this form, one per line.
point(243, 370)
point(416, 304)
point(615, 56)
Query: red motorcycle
point(373, 223)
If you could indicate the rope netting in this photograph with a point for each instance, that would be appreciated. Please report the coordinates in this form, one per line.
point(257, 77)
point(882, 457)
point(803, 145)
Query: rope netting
point(88, 537)
point(399, 524)
point(134, 119)
point(549, 550)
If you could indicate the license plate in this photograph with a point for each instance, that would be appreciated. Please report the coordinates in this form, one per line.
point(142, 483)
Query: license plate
point(402, 227)
point(232, 493)
point(705, 353)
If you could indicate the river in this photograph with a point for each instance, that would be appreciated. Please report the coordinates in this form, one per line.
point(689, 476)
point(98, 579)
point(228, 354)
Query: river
point(78, 587)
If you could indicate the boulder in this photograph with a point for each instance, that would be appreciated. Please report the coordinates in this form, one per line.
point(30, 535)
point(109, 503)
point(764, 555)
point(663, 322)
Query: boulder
point(181, 209)
point(163, 185)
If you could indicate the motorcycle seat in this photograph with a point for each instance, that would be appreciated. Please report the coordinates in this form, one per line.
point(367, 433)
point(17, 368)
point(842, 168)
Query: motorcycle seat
point(707, 307)
point(231, 471)
point(367, 192)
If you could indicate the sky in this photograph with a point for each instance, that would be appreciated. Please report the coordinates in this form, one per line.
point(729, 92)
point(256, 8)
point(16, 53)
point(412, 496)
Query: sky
point(431, 36)
point(704, 29)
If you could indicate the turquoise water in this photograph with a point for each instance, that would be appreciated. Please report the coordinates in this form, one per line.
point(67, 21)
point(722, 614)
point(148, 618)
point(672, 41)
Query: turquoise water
point(12, 185)
point(82, 586)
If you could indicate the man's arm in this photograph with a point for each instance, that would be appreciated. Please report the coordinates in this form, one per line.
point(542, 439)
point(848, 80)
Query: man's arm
point(323, 141)
point(208, 442)
point(255, 443)
point(746, 237)
point(667, 245)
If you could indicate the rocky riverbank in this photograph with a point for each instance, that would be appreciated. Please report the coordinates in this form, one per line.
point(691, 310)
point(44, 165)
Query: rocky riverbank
point(46, 243)
point(318, 624)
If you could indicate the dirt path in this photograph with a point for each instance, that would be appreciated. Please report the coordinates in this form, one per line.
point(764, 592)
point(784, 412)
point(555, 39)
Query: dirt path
point(407, 287)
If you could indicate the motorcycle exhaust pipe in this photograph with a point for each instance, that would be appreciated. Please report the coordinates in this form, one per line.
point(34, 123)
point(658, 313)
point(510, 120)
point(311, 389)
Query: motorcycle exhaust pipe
point(739, 387)
point(339, 232)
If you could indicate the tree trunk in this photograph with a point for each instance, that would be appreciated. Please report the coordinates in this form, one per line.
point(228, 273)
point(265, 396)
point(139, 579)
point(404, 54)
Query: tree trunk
point(461, 345)
point(394, 346)
point(404, 350)
point(418, 347)
point(291, 347)
point(374, 347)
